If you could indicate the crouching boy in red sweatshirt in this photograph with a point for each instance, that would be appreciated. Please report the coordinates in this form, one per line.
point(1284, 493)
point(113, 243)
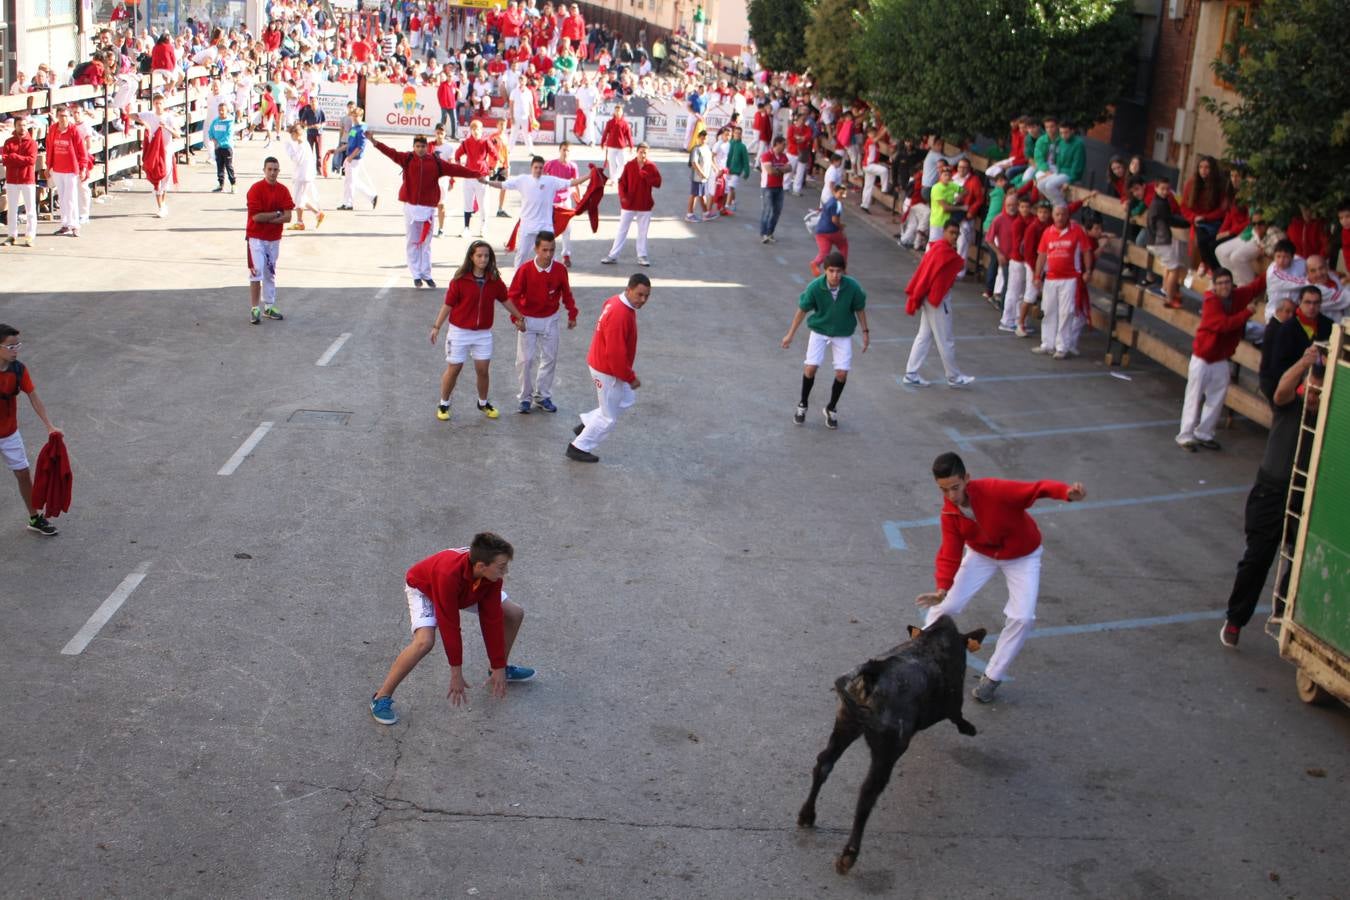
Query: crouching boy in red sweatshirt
point(999, 536)
point(438, 588)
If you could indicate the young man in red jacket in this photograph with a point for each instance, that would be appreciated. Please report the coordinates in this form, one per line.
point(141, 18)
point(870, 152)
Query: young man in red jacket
point(68, 162)
point(613, 350)
point(617, 140)
point(1223, 319)
point(19, 156)
point(420, 192)
point(477, 153)
point(997, 535)
point(438, 588)
point(640, 177)
point(539, 289)
point(14, 380)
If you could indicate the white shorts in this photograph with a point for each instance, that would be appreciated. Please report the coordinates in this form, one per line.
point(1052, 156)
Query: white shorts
point(841, 351)
point(11, 448)
point(423, 613)
point(1168, 255)
point(733, 182)
point(460, 343)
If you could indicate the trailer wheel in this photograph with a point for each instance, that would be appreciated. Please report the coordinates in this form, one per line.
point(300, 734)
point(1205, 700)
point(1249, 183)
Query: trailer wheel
point(1309, 691)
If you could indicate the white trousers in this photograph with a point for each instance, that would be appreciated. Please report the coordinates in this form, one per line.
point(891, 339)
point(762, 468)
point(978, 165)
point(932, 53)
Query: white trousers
point(916, 224)
point(935, 326)
point(1023, 577)
point(67, 185)
point(525, 244)
point(626, 218)
point(24, 195)
point(1076, 326)
point(475, 193)
point(615, 159)
point(419, 221)
point(1019, 274)
point(799, 173)
point(564, 241)
point(262, 266)
point(965, 237)
point(1206, 386)
point(1239, 256)
point(1058, 301)
point(870, 175)
point(356, 181)
point(520, 132)
point(537, 348)
point(613, 396)
point(1052, 186)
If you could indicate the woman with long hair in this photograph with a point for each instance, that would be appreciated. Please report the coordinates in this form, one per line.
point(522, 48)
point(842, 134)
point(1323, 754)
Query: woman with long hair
point(1204, 202)
point(469, 300)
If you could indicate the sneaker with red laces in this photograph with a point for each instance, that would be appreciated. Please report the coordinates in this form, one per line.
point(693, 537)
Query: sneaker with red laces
point(1228, 635)
point(567, 260)
point(815, 270)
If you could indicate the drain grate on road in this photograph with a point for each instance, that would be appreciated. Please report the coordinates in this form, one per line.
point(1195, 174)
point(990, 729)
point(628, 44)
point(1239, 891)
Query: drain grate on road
point(332, 417)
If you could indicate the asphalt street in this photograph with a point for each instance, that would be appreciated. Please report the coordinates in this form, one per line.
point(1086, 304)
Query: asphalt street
point(689, 600)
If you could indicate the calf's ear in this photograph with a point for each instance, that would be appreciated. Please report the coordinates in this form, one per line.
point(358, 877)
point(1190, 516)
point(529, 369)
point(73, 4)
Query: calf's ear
point(914, 631)
point(973, 639)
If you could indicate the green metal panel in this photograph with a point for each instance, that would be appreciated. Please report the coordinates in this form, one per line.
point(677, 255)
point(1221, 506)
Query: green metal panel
point(1323, 599)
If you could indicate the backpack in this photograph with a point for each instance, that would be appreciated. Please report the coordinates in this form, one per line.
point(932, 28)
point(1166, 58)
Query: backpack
point(143, 64)
point(7, 398)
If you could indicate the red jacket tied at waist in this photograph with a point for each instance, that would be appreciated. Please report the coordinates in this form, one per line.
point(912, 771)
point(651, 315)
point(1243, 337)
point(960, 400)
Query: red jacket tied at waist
point(933, 280)
point(421, 174)
point(998, 526)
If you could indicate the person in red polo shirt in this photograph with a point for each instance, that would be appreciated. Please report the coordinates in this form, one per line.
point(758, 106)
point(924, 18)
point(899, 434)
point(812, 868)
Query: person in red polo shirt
point(465, 579)
point(617, 140)
point(1065, 252)
point(613, 351)
point(1223, 319)
point(997, 535)
point(539, 288)
point(269, 208)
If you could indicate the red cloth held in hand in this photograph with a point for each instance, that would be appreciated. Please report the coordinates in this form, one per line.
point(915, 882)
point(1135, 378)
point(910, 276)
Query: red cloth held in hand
point(52, 478)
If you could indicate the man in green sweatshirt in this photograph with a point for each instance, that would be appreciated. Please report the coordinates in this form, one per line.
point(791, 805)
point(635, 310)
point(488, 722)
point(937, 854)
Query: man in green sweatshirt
point(834, 303)
point(1070, 158)
point(738, 165)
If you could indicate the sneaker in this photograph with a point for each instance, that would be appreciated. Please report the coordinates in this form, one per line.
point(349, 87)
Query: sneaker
point(1189, 446)
point(440, 232)
point(763, 238)
point(524, 407)
point(913, 381)
point(1039, 350)
point(273, 313)
point(799, 416)
point(345, 208)
point(984, 691)
point(1229, 634)
point(567, 260)
point(574, 453)
point(443, 412)
point(218, 189)
point(163, 211)
point(417, 282)
point(1210, 444)
point(644, 261)
point(815, 270)
point(607, 261)
point(1174, 303)
point(1156, 290)
point(519, 673)
point(232, 191)
point(42, 526)
point(318, 217)
point(382, 708)
point(690, 217)
point(831, 418)
point(772, 239)
point(1010, 329)
point(1061, 354)
point(488, 410)
point(255, 317)
point(375, 201)
point(502, 214)
point(25, 242)
point(546, 405)
point(579, 429)
point(61, 231)
point(7, 241)
point(960, 381)
point(429, 282)
point(296, 226)
point(709, 216)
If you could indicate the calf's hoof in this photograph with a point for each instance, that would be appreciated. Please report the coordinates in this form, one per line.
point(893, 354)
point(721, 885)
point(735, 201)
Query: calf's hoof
point(806, 818)
point(845, 861)
point(965, 727)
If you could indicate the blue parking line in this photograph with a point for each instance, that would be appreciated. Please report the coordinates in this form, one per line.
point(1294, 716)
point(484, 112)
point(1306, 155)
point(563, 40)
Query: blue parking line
point(894, 531)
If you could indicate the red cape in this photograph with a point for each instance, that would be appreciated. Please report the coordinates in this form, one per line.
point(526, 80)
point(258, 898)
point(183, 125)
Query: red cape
point(52, 478)
point(579, 129)
point(590, 204)
point(938, 271)
point(152, 158)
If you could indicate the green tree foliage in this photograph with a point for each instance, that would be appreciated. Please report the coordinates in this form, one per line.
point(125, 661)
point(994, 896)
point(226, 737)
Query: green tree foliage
point(1292, 123)
point(830, 53)
point(779, 31)
point(965, 67)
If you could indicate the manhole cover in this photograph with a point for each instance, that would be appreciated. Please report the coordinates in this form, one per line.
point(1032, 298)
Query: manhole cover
point(319, 417)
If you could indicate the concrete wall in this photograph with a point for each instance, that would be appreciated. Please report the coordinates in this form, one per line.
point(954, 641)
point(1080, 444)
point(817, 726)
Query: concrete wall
point(1208, 137)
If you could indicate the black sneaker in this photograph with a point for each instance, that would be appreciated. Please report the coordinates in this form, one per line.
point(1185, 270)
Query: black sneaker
point(42, 526)
point(429, 283)
point(273, 313)
point(579, 429)
point(375, 201)
point(417, 282)
point(1189, 446)
point(255, 317)
point(576, 454)
point(831, 420)
point(1228, 634)
point(800, 415)
point(1210, 444)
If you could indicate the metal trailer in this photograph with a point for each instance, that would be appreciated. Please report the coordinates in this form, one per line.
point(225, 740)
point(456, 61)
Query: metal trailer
point(1312, 607)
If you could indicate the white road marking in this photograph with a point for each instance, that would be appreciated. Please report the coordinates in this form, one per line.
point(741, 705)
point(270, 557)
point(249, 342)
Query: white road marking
point(780, 260)
point(388, 283)
point(797, 277)
point(105, 611)
point(332, 350)
point(245, 449)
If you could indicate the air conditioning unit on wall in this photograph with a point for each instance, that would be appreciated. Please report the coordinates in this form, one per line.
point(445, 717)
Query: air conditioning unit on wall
point(1183, 126)
point(1176, 9)
point(1162, 144)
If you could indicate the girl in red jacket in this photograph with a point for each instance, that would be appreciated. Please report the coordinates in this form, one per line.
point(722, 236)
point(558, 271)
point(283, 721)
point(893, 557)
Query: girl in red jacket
point(475, 286)
point(1204, 202)
point(997, 535)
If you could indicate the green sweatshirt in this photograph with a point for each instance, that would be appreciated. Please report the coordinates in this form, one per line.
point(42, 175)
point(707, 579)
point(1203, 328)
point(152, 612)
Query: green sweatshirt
point(1040, 154)
point(996, 197)
point(829, 315)
point(738, 159)
point(1070, 158)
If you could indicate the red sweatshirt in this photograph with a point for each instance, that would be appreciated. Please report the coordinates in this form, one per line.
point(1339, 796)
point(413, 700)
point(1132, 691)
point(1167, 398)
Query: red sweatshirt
point(477, 154)
point(618, 133)
point(1018, 144)
point(1031, 240)
point(636, 184)
point(447, 578)
point(1019, 234)
point(66, 153)
point(162, 56)
point(538, 292)
point(614, 346)
point(471, 304)
point(1219, 332)
point(19, 156)
point(998, 525)
point(421, 174)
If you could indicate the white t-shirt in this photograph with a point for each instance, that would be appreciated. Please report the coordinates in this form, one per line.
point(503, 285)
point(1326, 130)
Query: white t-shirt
point(536, 200)
point(833, 175)
point(522, 104)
